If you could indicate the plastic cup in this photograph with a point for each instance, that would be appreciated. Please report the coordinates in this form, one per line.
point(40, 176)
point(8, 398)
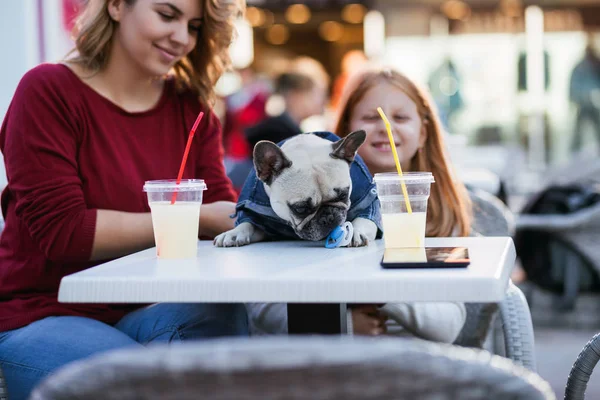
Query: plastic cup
point(175, 224)
point(402, 229)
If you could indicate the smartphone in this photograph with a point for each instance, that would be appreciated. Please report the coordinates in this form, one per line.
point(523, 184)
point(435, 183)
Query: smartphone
point(426, 257)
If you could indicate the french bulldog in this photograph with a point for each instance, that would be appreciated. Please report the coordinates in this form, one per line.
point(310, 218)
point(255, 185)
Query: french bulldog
point(309, 185)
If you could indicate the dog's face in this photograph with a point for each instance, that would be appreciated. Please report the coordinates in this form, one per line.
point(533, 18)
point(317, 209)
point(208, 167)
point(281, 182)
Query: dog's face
point(308, 181)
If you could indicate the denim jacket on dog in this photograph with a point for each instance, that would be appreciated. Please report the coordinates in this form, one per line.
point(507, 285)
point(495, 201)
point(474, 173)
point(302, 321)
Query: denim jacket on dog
point(254, 206)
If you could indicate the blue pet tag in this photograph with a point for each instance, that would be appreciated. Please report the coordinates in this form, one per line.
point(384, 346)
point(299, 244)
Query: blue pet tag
point(341, 236)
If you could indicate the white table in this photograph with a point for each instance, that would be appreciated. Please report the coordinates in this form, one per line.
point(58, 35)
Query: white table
point(294, 272)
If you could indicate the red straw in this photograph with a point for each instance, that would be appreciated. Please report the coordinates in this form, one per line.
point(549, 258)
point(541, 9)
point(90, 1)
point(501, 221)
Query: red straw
point(185, 154)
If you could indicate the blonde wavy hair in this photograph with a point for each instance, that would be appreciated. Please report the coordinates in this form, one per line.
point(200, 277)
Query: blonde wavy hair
point(449, 206)
point(199, 70)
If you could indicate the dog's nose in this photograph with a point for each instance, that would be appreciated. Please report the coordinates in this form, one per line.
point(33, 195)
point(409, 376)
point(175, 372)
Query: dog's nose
point(327, 219)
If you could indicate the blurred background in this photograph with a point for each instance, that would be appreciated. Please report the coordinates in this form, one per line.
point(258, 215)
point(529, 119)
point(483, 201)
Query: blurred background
point(517, 83)
point(500, 71)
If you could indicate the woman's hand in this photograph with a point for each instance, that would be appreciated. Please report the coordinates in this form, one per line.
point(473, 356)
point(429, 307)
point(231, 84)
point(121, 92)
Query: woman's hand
point(120, 233)
point(215, 218)
point(368, 320)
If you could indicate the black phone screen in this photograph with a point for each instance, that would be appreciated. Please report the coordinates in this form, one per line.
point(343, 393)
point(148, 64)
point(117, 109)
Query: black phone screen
point(426, 257)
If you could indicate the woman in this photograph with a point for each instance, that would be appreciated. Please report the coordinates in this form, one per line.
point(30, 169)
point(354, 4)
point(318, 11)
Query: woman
point(79, 139)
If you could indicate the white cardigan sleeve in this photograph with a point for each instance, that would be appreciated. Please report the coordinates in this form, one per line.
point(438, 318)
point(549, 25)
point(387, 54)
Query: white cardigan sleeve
point(440, 322)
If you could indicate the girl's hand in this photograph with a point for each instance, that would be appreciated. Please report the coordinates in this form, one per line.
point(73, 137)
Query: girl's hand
point(368, 320)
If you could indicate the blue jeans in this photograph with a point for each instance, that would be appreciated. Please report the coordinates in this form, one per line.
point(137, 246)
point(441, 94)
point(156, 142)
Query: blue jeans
point(30, 353)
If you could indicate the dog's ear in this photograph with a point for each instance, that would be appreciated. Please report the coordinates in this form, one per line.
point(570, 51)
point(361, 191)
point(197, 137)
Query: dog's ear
point(269, 161)
point(346, 148)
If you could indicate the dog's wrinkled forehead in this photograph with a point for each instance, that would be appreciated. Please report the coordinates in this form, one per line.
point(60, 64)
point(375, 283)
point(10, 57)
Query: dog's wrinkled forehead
point(313, 173)
point(306, 167)
point(313, 164)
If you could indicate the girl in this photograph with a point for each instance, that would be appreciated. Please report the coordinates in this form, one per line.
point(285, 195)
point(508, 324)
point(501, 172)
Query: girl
point(79, 140)
point(419, 143)
point(419, 139)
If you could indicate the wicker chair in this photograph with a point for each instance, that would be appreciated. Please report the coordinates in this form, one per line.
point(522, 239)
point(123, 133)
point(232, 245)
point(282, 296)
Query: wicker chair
point(491, 217)
point(510, 319)
point(578, 231)
point(294, 368)
point(582, 369)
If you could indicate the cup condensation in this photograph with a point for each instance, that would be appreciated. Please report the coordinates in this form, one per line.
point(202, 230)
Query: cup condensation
point(175, 224)
point(402, 229)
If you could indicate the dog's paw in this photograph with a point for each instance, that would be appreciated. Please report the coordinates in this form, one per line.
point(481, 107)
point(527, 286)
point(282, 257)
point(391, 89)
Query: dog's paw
point(359, 239)
point(231, 238)
point(241, 235)
point(364, 232)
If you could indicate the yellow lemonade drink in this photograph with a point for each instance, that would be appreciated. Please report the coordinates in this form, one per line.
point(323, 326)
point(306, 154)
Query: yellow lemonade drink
point(404, 229)
point(176, 228)
point(405, 255)
point(403, 200)
point(175, 208)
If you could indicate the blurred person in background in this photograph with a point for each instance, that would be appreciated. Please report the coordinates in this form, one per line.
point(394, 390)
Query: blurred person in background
point(243, 109)
point(311, 67)
point(273, 112)
point(301, 97)
point(584, 92)
point(79, 140)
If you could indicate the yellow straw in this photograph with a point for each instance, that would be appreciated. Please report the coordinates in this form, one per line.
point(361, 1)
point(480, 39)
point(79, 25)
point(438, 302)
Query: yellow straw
point(391, 137)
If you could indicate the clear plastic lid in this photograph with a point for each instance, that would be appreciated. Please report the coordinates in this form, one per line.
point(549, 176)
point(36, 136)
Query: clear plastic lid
point(170, 185)
point(407, 177)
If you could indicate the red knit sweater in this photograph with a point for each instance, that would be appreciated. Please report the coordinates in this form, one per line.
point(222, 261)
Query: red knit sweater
point(69, 151)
